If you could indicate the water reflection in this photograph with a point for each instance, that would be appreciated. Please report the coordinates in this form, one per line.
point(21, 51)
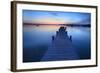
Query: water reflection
point(36, 40)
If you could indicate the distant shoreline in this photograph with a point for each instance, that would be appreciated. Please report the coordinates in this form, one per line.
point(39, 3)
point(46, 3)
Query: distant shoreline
point(71, 25)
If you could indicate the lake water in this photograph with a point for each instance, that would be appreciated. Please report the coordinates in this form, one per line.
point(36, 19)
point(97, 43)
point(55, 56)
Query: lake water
point(36, 40)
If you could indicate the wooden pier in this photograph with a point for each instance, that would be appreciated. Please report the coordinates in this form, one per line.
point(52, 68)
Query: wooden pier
point(61, 47)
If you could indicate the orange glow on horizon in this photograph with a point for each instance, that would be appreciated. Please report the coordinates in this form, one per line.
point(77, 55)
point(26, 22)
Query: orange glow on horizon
point(50, 27)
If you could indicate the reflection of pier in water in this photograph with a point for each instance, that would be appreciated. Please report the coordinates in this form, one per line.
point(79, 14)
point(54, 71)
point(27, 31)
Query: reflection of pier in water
point(61, 47)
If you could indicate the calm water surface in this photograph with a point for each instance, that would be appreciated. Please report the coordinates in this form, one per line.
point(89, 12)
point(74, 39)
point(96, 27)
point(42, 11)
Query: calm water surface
point(39, 37)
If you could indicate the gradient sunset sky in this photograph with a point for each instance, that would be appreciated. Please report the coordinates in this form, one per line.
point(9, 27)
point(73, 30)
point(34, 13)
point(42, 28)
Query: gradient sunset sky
point(53, 17)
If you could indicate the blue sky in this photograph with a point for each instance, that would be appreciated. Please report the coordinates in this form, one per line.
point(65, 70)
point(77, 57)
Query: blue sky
point(53, 17)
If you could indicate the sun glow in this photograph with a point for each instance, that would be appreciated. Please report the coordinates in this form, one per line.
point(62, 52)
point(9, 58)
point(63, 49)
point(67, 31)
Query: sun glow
point(50, 28)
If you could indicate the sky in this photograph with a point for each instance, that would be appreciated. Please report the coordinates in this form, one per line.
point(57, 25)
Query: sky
point(56, 17)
